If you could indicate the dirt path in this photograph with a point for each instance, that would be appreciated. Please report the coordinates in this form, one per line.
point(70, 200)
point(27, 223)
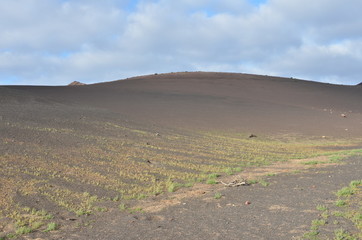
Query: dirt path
point(282, 210)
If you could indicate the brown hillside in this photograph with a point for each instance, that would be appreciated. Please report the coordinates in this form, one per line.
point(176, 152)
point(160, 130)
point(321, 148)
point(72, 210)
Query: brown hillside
point(224, 101)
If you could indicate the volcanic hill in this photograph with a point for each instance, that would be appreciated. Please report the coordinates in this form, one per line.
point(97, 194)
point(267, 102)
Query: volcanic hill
point(205, 100)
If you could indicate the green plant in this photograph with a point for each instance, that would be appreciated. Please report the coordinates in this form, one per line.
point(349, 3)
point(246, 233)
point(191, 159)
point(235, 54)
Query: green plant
point(312, 235)
point(23, 230)
point(122, 207)
point(322, 208)
point(314, 162)
point(335, 159)
point(213, 176)
point(51, 227)
point(101, 209)
point(229, 171)
point(253, 181)
point(36, 225)
point(271, 174)
point(264, 183)
point(49, 216)
point(319, 222)
point(237, 169)
point(338, 214)
point(217, 195)
point(325, 215)
point(211, 181)
point(346, 191)
point(171, 187)
point(341, 234)
point(116, 198)
point(134, 210)
point(141, 196)
point(81, 212)
point(189, 184)
point(355, 183)
point(11, 235)
point(340, 203)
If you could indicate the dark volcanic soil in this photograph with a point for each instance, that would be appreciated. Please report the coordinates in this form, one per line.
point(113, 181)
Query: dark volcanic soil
point(283, 210)
point(63, 145)
point(249, 103)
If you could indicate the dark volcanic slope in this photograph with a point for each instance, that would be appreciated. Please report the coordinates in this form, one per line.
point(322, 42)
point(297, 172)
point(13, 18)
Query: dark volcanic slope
point(223, 101)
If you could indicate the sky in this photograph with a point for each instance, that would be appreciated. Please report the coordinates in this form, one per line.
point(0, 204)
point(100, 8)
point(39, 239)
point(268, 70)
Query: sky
point(55, 42)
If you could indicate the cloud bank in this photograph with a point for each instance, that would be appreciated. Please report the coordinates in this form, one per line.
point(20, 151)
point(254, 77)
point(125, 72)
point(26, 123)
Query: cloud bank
point(55, 42)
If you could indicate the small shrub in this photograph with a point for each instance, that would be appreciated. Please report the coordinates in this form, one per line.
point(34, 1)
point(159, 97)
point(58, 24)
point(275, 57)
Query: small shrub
point(346, 191)
point(36, 225)
point(171, 187)
point(271, 174)
point(252, 181)
point(213, 176)
point(325, 215)
point(355, 183)
point(211, 181)
point(341, 234)
point(134, 210)
point(264, 183)
point(238, 169)
point(217, 195)
point(116, 198)
point(23, 230)
point(122, 207)
point(312, 163)
point(319, 222)
point(81, 212)
point(141, 196)
point(311, 235)
point(338, 213)
point(51, 227)
point(189, 184)
point(322, 208)
point(229, 171)
point(340, 203)
point(101, 209)
point(335, 159)
point(49, 216)
point(11, 235)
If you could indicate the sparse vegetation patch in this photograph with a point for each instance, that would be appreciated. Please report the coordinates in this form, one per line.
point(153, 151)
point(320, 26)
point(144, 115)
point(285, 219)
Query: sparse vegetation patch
point(80, 166)
point(336, 220)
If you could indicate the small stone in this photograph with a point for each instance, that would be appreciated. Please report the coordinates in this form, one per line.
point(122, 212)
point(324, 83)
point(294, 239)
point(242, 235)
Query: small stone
point(247, 203)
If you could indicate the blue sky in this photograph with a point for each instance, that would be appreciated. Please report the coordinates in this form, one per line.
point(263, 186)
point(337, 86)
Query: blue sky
point(55, 42)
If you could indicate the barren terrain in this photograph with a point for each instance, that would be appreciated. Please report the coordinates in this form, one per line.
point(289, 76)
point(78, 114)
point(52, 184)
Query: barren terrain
point(143, 158)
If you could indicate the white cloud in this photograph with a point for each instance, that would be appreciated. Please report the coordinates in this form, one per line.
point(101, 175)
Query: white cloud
point(56, 42)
